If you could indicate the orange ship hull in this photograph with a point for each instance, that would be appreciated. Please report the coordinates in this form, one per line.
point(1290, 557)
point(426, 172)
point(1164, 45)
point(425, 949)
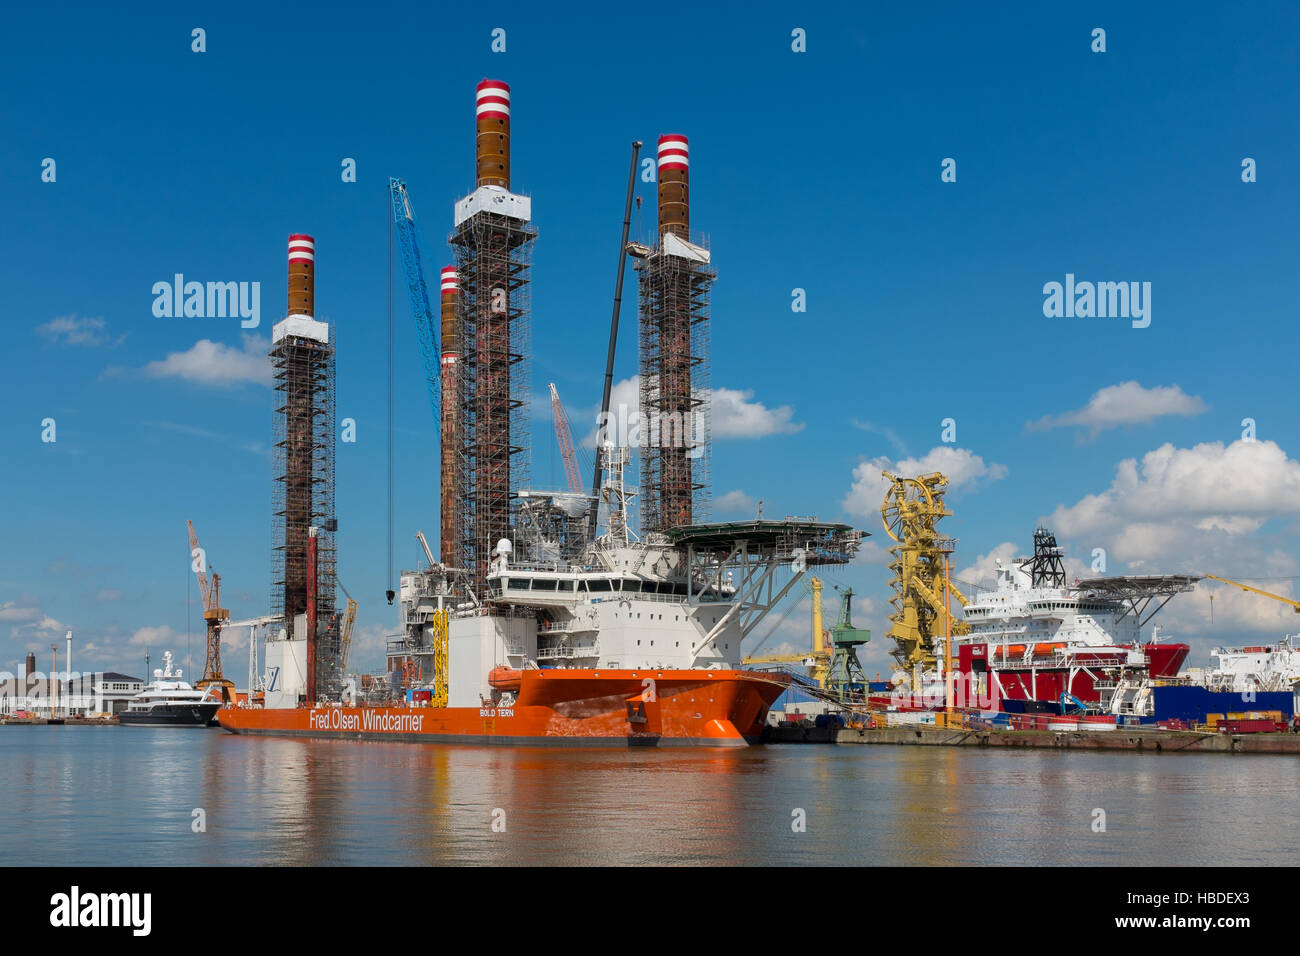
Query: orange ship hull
point(555, 707)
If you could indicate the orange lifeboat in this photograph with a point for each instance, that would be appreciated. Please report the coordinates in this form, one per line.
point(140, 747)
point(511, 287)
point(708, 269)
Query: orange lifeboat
point(505, 678)
point(1014, 650)
point(1044, 650)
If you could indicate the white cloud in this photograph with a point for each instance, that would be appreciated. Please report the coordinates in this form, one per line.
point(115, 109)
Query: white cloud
point(732, 413)
point(1207, 489)
point(70, 330)
point(885, 432)
point(624, 401)
point(983, 569)
point(160, 637)
point(1197, 510)
point(37, 634)
point(1125, 404)
point(961, 466)
point(24, 610)
point(369, 644)
point(215, 363)
point(735, 501)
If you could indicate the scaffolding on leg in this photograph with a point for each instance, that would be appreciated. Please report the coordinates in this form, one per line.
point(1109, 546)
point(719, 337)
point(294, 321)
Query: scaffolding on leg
point(303, 491)
point(673, 348)
point(493, 258)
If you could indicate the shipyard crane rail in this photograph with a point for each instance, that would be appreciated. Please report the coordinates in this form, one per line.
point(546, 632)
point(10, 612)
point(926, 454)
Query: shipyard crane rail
point(425, 322)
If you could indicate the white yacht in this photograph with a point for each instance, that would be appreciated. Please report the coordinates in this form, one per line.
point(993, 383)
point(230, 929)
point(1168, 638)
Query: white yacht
point(169, 701)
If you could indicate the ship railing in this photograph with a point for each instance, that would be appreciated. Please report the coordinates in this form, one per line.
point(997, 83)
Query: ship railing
point(1057, 658)
point(568, 651)
point(696, 598)
point(576, 626)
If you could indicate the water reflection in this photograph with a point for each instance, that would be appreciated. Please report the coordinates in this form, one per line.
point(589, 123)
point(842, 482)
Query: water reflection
point(127, 795)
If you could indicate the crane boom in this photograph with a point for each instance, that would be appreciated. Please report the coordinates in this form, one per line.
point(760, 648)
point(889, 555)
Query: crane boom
point(418, 290)
point(200, 568)
point(565, 438)
point(1295, 605)
point(216, 616)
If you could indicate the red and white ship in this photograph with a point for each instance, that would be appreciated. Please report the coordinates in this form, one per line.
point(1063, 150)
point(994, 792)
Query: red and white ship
point(1039, 645)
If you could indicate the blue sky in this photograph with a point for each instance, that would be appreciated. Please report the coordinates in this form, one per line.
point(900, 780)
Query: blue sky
point(817, 170)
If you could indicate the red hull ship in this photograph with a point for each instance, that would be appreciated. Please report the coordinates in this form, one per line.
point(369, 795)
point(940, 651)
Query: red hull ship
point(1036, 644)
point(554, 707)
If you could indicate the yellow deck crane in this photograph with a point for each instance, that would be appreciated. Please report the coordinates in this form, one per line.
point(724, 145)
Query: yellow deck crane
point(215, 616)
point(922, 618)
point(345, 633)
point(1295, 605)
point(819, 661)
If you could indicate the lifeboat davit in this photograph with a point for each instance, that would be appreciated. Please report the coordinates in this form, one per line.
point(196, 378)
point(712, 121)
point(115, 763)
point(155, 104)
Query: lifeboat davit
point(505, 678)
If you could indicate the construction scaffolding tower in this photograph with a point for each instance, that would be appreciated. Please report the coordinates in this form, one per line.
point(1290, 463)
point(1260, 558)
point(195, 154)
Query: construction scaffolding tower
point(673, 349)
point(493, 258)
point(303, 490)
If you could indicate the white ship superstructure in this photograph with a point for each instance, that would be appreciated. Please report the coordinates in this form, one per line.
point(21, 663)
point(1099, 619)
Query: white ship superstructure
point(1258, 667)
point(681, 601)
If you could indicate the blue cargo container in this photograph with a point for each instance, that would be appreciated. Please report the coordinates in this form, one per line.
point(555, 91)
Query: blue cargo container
point(1191, 704)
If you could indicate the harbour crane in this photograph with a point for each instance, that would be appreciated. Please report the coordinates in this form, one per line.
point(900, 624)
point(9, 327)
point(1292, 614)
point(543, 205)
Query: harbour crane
point(819, 661)
point(255, 691)
point(565, 437)
point(922, 613)
point(425, 322)
point(345, 634)
point(1295, 605)
point(215, 616)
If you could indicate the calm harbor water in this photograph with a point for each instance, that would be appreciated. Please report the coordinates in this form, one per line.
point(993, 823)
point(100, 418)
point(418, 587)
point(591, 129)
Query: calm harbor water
point(124, 795)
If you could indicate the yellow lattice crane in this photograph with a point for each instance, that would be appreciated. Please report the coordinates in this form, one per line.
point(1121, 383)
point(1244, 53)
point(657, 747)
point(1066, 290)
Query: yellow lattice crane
point(1295, 605)
point(819, 661)
point(345, 630)
point(921, 619)
point(439, 696)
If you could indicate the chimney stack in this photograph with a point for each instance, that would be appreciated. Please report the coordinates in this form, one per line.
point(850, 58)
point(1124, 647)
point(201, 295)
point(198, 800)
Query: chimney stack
point(674, 186)
point(302, 275)
point(492, 129)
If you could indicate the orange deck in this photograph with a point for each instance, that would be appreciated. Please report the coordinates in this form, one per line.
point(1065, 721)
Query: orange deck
point(565, 707)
